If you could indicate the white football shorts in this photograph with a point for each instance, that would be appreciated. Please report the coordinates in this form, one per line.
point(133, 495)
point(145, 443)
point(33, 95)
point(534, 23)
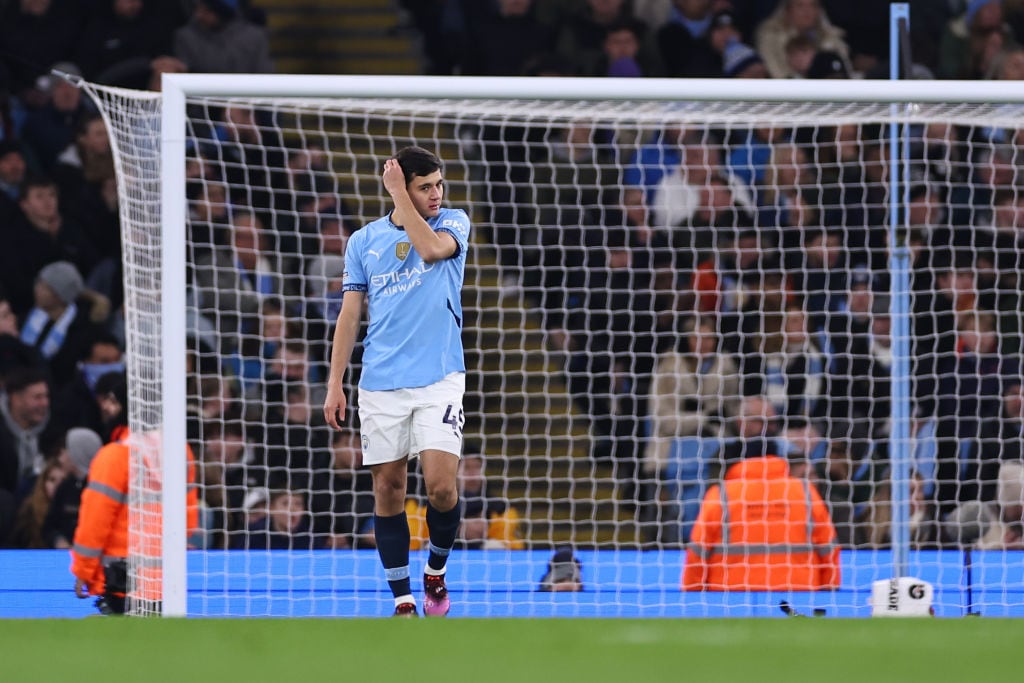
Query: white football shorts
point(403, 422)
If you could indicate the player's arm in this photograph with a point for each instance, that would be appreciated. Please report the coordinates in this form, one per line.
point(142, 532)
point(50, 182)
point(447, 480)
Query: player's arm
point(431, 246)
point(344, 340)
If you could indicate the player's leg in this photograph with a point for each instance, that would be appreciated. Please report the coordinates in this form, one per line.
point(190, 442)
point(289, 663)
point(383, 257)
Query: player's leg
point(391, 527)
point(385, 441)
point(437, 435)
point(444, 514)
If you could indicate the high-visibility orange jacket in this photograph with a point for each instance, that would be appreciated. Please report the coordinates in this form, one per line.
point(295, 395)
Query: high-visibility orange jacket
point(102, 530)
point(762, 529)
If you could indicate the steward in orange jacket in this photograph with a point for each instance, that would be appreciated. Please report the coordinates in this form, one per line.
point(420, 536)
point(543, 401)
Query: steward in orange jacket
point(100, 549)
point(762, 529)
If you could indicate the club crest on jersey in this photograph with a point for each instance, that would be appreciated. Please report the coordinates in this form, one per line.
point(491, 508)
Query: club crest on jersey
point(402, 250)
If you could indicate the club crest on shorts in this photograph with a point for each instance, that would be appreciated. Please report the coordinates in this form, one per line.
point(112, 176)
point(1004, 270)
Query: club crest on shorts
point(366, 443)
point(402, 250)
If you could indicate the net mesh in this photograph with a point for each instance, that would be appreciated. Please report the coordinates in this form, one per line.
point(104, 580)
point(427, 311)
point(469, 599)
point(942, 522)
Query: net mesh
point(656, 292)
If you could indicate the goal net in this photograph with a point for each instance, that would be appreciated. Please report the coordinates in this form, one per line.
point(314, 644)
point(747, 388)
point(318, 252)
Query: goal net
point(661, 295)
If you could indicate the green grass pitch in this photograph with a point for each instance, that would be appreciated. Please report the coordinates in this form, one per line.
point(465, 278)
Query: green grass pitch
point(487, 651)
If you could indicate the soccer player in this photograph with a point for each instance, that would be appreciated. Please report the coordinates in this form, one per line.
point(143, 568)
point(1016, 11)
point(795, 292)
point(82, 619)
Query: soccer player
point(409, 265)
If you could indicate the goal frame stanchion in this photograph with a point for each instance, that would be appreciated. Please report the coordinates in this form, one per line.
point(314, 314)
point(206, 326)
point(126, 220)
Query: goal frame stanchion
point(899, 288)
point(176, 88)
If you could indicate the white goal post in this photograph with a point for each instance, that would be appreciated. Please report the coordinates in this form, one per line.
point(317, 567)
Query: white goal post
point(644, 103)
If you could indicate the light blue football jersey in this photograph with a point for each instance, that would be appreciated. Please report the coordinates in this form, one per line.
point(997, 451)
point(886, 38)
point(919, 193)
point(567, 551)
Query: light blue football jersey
point(415, 309)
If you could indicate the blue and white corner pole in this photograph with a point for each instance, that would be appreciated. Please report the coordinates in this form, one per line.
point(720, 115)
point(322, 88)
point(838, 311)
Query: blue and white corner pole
point(899, 287)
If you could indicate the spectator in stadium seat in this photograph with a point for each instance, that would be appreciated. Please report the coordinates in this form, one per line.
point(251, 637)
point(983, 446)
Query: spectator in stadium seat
point(623, 54)
point(694, 391)
point(258, 348)
point(124, 30)
point(488, 521)
point(970, 388)
point(800, 52)
point(299, 453)
point(24, 415)
point(217, 39)
point(41, 235)
point(692, 193)
point(79, 172)
point(74, 403)
point(963, 37)
point(848, 476)
point(751, 153)
point(87, 189)
point(797, 17)
point(753, 432)
point(845, 202)
point(59, 326)
point(1006, 532)
point(784, 363)
point(822, 279)
point(874, 529)
point(315, 199)
point(232, 281)
point(1001, 433)
point(787, 199)
point(352, 487)
point(582, 36)
point(564, 573)
point(285, 527)
point(28, 527)
point(497, 38)
point(209, 209)
point(861, 368)
point(761, 528)
point(612, 348)
point(14, 353)
point(50, 128)
point(999, 442)
point(1007, 64)
point(970, 203)
point(254, 268)
point(739, 60)
point(721, 281)
point(691, 42)
point(80, 447)
point(944, 290)
point(251, 156)
point(34, 34)
point(827, 64)
point(222, 480)
point(12, 174)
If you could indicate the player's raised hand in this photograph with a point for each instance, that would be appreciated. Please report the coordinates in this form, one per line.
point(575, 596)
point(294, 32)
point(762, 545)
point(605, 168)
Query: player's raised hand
point(393, 177)
point(334, 405)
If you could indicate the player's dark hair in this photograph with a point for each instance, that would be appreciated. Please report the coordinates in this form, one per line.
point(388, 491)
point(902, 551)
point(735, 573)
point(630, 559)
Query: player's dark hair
point(416, 161)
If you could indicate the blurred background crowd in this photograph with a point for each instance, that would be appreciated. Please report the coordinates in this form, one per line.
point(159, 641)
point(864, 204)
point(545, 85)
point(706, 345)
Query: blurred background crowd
point(716, 283)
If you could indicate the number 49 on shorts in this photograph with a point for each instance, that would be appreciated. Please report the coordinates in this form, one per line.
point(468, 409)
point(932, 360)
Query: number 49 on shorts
point(453, 419)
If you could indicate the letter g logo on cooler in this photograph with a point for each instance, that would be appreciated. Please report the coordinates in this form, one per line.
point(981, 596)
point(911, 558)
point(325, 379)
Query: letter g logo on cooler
point(904, 596)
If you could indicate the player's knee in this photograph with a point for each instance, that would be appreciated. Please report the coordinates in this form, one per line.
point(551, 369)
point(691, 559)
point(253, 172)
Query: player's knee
point(390, 488)
point(442, 495)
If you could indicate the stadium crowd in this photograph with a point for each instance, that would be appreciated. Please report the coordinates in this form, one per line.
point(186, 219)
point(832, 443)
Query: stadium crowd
point(713, 283)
